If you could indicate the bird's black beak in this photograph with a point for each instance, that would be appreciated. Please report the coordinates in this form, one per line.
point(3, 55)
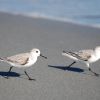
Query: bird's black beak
point(64, 51)
point(43, 56)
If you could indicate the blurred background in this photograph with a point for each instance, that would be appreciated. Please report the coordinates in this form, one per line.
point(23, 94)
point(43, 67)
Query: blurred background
point(75, 11)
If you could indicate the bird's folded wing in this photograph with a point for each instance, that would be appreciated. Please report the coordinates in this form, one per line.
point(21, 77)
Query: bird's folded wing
point(21, 59)
point(79, 55)
point(85, 54)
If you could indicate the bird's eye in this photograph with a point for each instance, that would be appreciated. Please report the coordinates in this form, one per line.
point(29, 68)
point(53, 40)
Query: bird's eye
point(36, 51)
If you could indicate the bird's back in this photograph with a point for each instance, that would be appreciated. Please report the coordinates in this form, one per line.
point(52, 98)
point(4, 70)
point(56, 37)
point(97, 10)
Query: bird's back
point(85, 54)
point(19, 58)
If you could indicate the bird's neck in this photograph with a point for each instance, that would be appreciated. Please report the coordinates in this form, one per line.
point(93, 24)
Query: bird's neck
point(32, 56)
point(97, 54)
point(32, 59)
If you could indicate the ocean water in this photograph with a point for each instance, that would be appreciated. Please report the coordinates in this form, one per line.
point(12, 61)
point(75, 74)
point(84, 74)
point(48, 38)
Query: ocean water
point(78, 11)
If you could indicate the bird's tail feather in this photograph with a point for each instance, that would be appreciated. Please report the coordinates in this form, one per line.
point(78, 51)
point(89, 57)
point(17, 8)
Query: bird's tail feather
point(67, 53)
point(2, 59)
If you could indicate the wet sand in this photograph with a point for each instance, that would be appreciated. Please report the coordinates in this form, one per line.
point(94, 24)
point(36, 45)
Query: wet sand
point(54, 82)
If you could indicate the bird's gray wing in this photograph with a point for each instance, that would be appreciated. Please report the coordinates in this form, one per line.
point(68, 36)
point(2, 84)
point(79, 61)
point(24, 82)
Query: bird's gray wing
point(85, 54)
point(73, 54)
point(81, 55)
point(21, 59)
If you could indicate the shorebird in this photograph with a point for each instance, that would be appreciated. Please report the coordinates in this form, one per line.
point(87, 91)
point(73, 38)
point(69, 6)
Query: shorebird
point(23, 60)
point(86, 56)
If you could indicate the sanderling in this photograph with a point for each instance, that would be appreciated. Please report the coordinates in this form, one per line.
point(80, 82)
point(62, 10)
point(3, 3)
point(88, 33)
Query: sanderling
point(23, 60)
point(86, 56)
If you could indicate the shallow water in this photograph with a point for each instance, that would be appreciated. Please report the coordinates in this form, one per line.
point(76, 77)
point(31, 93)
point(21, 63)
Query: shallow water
point(79, 11)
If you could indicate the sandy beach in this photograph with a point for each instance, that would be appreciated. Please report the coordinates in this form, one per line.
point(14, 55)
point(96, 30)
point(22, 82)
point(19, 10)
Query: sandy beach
point(20, 34)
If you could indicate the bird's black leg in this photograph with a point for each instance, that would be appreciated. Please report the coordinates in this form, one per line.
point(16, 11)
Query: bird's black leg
point(96, 74)
point(71, 64)
point(9, 72)
point(10, 69)
point(28, 76)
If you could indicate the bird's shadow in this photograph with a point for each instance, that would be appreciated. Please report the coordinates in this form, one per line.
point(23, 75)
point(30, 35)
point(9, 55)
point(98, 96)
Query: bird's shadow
point(9, 74)
point(74, 69)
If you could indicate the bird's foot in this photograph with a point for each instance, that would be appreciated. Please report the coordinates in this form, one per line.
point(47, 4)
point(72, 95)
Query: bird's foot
point(96, 74)
point(31, 79)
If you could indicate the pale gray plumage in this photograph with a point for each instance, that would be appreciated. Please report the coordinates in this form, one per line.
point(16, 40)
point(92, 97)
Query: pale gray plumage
point(23, 60)
point(86, 56)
